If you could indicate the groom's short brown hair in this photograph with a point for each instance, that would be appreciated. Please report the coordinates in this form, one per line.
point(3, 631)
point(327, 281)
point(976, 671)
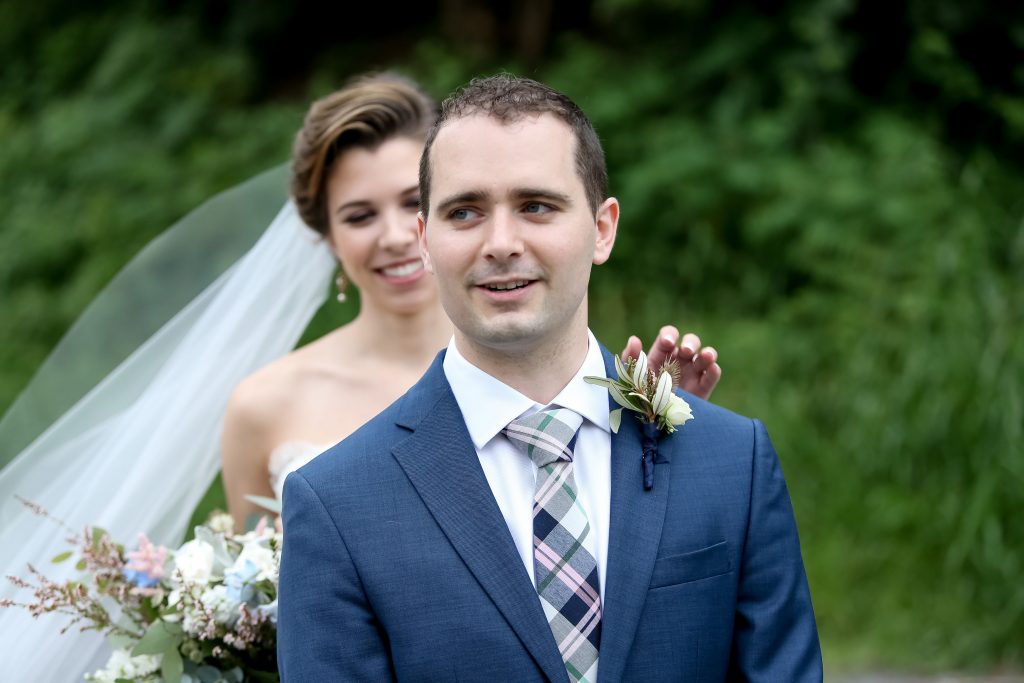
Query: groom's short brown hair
point(509, 98)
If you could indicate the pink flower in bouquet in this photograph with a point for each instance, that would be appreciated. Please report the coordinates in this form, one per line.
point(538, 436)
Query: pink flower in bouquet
point(145, 566)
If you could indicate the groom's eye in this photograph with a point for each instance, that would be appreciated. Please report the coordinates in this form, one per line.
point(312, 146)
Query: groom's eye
point(537, 208)
point(462, 214)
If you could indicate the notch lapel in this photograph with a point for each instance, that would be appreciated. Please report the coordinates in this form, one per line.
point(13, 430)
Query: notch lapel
point(637, 518)
point(442, 464)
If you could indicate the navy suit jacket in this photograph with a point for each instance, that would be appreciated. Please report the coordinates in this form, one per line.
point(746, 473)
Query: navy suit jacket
point(398, 564)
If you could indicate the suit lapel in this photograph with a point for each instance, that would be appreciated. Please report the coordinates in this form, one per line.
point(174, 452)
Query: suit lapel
point(637, 517)
point(442, 464)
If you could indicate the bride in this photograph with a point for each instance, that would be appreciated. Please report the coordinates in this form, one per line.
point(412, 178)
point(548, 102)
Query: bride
point(138, 446)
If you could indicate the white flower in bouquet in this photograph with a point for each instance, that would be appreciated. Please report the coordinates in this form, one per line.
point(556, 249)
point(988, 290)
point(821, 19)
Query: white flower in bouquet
point(193, 562)
point(214, 605)
point(260, 557)
point(123, 666)
point(221, 523)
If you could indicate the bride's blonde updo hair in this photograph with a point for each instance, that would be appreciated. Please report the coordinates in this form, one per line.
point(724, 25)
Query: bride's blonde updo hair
point(365, 113)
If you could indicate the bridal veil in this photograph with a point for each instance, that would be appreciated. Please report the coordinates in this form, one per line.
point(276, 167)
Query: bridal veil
point(120, 426)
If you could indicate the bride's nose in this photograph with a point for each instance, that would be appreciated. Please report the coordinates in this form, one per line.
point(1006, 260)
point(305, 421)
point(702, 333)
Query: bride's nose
point(399, 230)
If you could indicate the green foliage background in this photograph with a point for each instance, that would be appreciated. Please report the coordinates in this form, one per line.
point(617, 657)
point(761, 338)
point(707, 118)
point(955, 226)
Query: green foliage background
point(830, 192)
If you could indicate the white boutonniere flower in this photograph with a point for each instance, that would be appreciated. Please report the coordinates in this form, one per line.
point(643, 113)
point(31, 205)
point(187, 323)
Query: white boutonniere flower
point(652, 397)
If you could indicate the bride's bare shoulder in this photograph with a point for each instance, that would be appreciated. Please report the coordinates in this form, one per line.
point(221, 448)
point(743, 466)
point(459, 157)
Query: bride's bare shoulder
point(283, 383)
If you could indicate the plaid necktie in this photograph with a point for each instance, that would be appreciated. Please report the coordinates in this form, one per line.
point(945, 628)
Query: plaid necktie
point(565, 571)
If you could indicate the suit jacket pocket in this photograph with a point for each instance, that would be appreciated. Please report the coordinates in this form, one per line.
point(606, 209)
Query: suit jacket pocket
point(692, 566)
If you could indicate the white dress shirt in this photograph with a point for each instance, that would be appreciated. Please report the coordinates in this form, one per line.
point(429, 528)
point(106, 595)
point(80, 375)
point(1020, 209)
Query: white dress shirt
point(488, 405)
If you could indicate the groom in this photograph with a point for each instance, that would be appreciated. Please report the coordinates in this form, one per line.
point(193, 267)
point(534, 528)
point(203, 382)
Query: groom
point(489, 526)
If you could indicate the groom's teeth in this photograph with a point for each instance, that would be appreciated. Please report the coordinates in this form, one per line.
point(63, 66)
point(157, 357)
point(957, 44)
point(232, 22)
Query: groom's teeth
point(402, 271)
point(504, 286)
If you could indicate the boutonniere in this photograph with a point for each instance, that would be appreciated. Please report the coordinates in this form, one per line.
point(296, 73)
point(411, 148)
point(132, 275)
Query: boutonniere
point(652, 397)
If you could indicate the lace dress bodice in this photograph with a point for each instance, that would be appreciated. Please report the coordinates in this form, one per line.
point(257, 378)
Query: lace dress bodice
point(288, 457)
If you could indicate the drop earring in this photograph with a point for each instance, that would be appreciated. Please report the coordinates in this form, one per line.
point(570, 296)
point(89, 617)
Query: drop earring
point(341, 284)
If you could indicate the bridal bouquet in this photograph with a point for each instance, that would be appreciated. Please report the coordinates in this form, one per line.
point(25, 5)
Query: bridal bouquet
point(203, 613)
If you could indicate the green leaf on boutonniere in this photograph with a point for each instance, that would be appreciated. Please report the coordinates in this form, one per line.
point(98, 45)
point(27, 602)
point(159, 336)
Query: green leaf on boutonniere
point(614, 420)
point(620, 369)
point(622, 398)
point(641, 397)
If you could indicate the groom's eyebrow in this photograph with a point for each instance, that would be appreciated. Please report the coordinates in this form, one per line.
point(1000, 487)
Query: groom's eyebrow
point(460, 198)
point(552, 196)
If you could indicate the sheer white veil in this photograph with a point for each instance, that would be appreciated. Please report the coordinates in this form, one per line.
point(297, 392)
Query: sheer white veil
point(120, 426)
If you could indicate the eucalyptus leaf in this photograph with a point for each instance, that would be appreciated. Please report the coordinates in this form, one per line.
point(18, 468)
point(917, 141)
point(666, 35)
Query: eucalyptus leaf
point(61, 557)
point(271, 504)
point(81, 565)
point(160, 638)
point(119, 641)
point(208, 674)
point(171, 667)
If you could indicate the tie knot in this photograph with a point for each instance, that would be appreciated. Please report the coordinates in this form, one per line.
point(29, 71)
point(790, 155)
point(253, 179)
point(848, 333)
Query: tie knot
point(545, 436)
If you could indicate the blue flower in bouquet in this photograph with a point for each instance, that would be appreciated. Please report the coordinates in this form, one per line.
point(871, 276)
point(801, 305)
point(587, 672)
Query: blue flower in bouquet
point(269, 611)
point(240, 580)
point(254, 564)
point(141, 579)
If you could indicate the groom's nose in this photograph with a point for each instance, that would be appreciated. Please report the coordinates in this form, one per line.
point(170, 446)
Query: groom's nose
point(502, 238)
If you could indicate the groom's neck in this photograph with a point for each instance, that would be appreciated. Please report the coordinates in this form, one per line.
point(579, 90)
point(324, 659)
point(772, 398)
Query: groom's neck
point(538, 371)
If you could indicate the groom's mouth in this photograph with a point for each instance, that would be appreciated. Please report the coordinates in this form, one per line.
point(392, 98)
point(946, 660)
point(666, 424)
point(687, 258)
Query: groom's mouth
point(506, 290)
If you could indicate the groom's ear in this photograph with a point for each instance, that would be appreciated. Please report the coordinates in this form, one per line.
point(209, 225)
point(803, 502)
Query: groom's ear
point(606, 223)
point(421, 229)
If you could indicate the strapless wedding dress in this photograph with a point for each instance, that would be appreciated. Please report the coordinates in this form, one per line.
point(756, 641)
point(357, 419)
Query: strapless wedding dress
point(288, 457)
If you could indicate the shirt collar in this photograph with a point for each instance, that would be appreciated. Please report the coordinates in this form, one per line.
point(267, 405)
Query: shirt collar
point(492, 404)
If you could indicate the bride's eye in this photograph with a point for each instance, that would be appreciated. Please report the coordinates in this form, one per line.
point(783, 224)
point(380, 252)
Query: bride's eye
point(358, 219)
point(413, 203)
